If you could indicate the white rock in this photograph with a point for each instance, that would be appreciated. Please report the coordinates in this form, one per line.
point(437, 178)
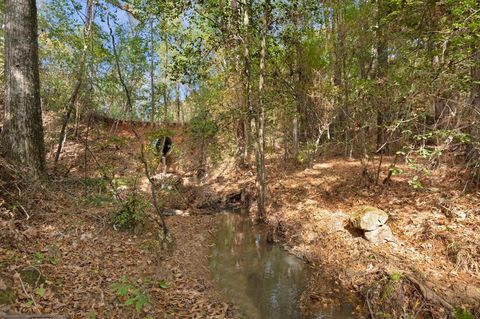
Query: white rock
point(368, 218)
point(380, 235)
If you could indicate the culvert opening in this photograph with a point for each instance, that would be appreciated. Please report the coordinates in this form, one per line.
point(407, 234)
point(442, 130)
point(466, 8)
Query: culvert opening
point(163, 145)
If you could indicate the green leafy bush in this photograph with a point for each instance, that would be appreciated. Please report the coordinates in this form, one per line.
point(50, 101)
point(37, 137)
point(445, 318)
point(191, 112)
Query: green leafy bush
point(463, 314)
point(130, 295)
point(131, 213)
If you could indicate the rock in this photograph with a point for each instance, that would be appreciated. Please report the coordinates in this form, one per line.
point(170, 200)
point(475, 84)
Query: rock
point(7, 295)
point(32, 276)
point(175, 212)
point(382, 234)
point(167, 180)
point(368, 218)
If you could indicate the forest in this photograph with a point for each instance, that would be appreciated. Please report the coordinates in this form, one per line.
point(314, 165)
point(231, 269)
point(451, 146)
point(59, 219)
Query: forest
point(291, 159)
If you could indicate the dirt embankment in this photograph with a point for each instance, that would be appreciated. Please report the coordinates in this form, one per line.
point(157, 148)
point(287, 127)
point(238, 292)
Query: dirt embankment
point(60, 254)
point(432, 270)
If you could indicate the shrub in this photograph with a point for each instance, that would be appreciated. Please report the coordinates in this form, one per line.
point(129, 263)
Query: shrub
point(131, 213)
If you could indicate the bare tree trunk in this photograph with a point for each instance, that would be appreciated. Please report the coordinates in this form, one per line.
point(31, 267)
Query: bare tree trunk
point(128, 105)
point(473, 151)
point(165, 83)
point(475, 74)
point(295, 146)
point(260, 121)
point(178, 102)
point(239, 127)
point(76, 89)
point(247, 80)
point(298, 93)
point(382, 58)
point(22, 136)
point(152, 75)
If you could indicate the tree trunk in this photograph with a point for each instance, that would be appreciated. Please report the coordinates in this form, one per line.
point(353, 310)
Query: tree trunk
point(473, 151)
point(165, 84)
point(129, 104)
point(247, 79)
point(260, 121)
point(76, 89)
point(475, 74)
point(22, 136)
point(178, 102)
point(382, 58)
point(152, 75)
point(298, 86)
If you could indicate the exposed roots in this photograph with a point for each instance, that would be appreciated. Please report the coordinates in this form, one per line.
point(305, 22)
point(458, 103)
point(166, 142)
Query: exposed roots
point(399, 295)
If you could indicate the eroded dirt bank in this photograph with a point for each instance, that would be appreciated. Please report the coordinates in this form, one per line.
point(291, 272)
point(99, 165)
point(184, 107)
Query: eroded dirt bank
point(430, 271)
point(61, 254)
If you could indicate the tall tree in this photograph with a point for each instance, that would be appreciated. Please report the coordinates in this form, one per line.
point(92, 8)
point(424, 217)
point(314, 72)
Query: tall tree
point(382, 63)
point(152, 74)
point(259, 118)
point(22, 136)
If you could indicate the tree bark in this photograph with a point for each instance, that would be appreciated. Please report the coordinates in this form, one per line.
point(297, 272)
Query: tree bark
point(298, 87)
point(22, 136)
point(178, 103)
point(165, 83)
point(473, 151)
point(382, 59)
point(152, 75)
point(260, 121)
point(128, 105)
point(247, 79)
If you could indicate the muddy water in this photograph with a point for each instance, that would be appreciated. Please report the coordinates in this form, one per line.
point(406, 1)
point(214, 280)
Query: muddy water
point(260, 279)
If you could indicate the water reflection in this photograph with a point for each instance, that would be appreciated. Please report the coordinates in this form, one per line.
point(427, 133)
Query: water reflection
point(260, 279)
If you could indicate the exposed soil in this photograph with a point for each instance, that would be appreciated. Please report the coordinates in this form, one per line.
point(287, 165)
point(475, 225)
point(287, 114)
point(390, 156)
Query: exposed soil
point(432, 269)
point(62, 229)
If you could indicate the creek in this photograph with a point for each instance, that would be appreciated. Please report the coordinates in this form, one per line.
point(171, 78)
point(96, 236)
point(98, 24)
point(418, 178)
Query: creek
point(261, 279)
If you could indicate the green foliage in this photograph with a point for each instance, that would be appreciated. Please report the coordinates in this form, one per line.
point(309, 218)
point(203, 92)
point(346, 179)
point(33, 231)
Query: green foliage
point(40, 291)
point(98, 182)
point(463, 314)
point(306, 153)
point(131, 213)
point(130, 295)
point(164, 284)
point(415, 183)
point(202, 124)
point(39, 257)
point(393, 280)
point(96, 200)
point(396, 171)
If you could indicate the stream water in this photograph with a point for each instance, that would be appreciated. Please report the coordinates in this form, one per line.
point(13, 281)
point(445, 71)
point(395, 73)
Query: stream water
point(260, 279)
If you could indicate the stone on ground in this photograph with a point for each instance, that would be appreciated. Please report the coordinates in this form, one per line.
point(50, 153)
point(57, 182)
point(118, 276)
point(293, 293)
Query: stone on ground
point(369, 218)
point(381, 235)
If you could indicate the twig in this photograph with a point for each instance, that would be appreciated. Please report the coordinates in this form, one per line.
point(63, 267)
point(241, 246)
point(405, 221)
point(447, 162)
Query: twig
point(154, 193)
point(25, 291)
point(106, 177)
point(368, 305)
